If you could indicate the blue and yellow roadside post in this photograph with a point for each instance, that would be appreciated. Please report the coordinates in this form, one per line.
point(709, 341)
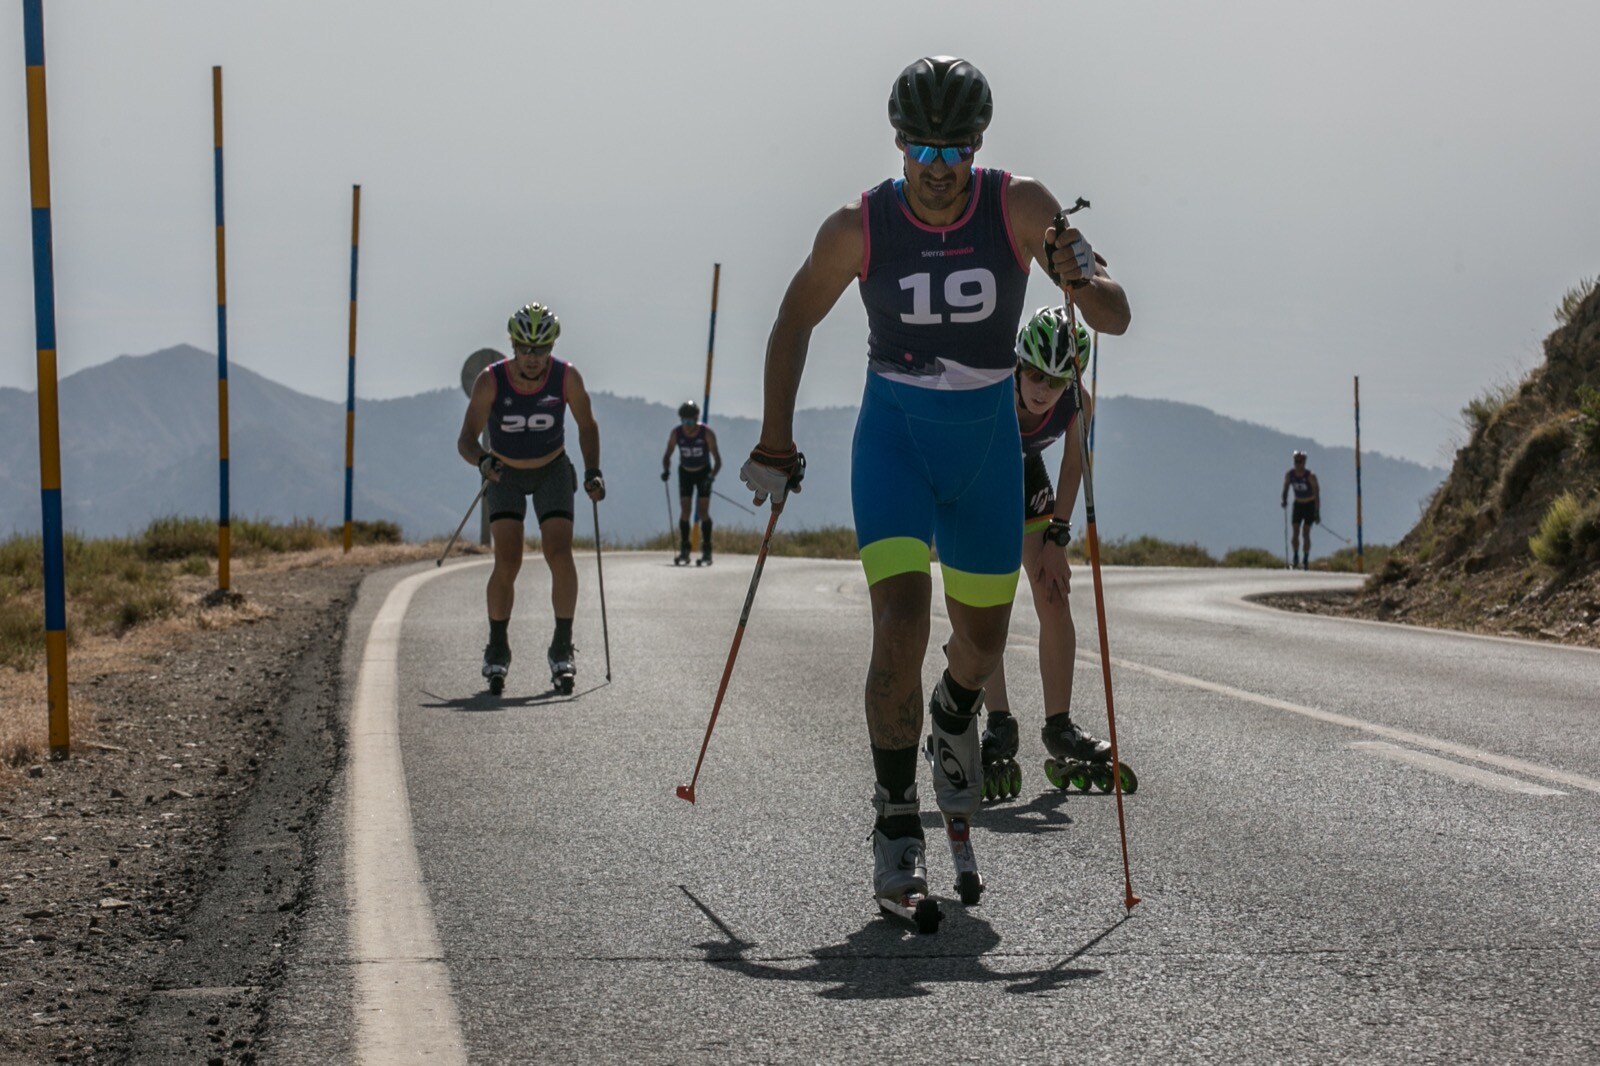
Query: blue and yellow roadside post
point(44, 324)
point(224, 533)
point(350, 390)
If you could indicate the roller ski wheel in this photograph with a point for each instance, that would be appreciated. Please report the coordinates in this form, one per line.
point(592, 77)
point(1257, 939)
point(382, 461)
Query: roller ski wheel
point(1002, 774)
point(969, 882)
point(563, 669)
point(682, 558)
point(914, 908)
point(496, 664)
point(704, 560)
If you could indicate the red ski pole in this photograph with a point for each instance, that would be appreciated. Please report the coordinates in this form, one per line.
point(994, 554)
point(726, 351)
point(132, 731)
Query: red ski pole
point(686, 792)
point(1129, 899)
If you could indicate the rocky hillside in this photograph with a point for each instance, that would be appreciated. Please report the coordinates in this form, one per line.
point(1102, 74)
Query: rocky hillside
point(1511, 541)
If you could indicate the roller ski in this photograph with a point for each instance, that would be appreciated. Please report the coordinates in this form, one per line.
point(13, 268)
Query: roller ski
point(496, 664)
point(563, 669)
point(1078, 760)
point(682, 558)
point(958, 781)
point(1002, 774)
point(704, 560)
point(900, 867)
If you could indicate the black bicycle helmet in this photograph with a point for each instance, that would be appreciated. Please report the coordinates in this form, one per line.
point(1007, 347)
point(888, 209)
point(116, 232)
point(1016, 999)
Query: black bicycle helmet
point(940, 99)
point(689, 410)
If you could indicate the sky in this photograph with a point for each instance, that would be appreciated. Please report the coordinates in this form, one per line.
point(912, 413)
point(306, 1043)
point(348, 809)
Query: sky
point(1292, 194)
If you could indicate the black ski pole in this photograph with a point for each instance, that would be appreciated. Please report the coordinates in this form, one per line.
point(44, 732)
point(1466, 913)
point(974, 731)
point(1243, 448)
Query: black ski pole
point(481, 490)
point(733, 501)
point(600, 572)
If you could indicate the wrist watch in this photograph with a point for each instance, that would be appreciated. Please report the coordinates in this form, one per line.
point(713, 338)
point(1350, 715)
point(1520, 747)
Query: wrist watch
point(1058, 532)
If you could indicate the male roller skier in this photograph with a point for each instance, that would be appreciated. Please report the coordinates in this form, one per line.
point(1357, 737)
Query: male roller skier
point(1048, 359)
point(941, 257)
point(699, 462)
point(1307, 508)
point(524, 401)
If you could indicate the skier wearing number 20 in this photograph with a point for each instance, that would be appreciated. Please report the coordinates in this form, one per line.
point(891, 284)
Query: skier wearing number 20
point(941, 257)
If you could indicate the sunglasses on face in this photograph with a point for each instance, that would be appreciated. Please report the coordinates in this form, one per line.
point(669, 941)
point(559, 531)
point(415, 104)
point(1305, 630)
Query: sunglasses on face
point(1044, 379)
point(924, 154)
point(531, 349)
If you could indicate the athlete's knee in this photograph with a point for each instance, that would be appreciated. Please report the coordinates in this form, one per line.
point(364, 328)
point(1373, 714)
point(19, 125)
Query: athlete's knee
point(555, 539)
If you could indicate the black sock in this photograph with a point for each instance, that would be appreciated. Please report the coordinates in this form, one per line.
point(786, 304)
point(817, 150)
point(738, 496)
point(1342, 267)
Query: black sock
point(497, 633)
point(965, 701)
point(896, 770)
point(563, 637)
point(683, 533)
point(705, 536)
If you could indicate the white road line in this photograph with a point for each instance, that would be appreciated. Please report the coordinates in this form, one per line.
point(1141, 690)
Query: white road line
point(1471, 775)
point(1416, 740)
point(404, 1008)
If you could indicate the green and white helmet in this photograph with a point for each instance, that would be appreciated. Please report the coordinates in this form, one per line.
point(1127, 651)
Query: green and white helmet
point(534, 325)
point(1042, 343)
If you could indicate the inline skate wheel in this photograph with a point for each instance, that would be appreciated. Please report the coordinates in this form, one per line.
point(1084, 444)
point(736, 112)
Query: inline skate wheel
point(1101, 776)
point(1130, 780)
point(1081, 778)
point(1052, 774)
point(1015, 779)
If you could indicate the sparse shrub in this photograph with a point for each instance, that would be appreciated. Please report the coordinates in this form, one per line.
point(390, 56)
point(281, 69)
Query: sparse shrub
point(377, 532)
point(21, 631)
point(1588, 422)
point(302, 534)
point(1542, 448)
point(1573, 299)
point(1259, 558)
point(1586, 531)
point(178, 538)
point(195, 566)
point(1552, 545)
point(1374, 559)
point(1146, 551)
point(1482, 409)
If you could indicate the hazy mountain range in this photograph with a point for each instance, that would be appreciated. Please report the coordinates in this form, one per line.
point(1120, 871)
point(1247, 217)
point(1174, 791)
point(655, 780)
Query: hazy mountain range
point(139, 442)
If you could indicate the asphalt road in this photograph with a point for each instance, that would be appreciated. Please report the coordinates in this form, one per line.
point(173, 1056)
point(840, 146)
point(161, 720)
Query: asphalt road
point(1354, 842)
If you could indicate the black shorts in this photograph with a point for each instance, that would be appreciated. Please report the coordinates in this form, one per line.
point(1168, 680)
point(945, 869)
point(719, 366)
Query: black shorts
point(553, 487)
point(1304, 512)
point(691, 480)
point(1038, 494)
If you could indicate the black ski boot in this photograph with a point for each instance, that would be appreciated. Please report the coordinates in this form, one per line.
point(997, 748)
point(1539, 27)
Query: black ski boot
point(1002, 775)
point(1079, 760)
point(496, 664)
point(563, 668)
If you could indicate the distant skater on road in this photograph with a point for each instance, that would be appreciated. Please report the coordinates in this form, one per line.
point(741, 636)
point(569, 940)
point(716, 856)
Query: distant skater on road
point(524, 401)
point(941, 256)
point(699, 462)
point(1047, 361)
point(1307, 508)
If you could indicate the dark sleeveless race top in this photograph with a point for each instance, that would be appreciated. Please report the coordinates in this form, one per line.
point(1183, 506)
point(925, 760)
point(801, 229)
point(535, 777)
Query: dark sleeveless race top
point(693, 454)
point(1056, 421)
point(1301, 484)
point(528, 425)
point(943, 302)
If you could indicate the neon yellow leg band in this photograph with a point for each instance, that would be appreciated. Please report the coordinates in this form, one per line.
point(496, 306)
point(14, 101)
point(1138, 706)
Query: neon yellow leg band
point(894, 555)
point(979, 590)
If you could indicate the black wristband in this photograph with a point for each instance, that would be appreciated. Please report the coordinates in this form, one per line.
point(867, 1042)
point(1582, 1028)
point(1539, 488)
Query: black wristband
point(593, 474)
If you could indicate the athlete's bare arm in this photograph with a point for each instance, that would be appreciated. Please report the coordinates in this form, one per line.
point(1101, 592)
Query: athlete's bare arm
point(666, 457)
point(477, 417)
point(1283, 499)
point(834, 262)
point(1055, 572)
point(1032, 209)
point(583, 414)
point(1316, 489)
point(716, 456)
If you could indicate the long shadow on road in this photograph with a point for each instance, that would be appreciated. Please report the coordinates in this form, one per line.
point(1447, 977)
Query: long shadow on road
point(883, 960)
point(483, 701)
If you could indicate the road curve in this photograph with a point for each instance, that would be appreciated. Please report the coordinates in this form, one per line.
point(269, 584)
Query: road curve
point(1354, 842)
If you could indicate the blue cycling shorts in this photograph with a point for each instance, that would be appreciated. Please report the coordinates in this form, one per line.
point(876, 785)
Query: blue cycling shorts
point(940, 467)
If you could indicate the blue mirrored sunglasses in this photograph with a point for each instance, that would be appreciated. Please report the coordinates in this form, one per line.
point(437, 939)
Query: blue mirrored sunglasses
point(925, 154)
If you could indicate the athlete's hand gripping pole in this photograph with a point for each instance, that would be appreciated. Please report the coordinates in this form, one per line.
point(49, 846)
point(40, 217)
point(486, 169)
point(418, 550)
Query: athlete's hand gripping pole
point(1093, 536)
point(687, 791)
point(600, 572)
point(481, 490)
